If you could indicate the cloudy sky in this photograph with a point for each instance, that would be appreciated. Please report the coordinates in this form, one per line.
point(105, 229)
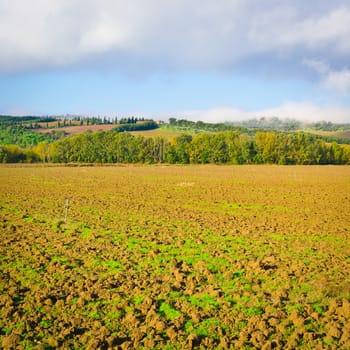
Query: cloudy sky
point(212, 60)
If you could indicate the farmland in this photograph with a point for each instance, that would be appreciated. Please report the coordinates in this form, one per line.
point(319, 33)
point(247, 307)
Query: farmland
point(78, 129)
point(175, 257)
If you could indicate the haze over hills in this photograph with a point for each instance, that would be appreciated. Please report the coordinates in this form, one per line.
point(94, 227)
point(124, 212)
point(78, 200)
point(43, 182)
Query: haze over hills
point(273, 123)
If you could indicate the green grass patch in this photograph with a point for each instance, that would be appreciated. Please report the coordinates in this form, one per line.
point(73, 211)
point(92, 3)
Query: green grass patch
point(204, 301)
point(112, 265)
point(207, 328)
point(251, 311)
point(169, 311)
point(137, 300)
point(319, 309)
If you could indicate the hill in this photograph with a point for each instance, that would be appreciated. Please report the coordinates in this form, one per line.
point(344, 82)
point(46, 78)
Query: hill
point(334, 134)
point(180, 141)
point(77, 129)
point(162, 131)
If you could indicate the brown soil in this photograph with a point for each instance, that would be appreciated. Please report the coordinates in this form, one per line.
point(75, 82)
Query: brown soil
point(175, 257)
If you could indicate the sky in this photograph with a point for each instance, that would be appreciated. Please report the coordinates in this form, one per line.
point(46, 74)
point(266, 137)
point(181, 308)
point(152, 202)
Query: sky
point(215, 61)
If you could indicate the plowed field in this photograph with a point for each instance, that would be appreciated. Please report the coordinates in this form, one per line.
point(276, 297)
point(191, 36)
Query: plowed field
point(175, 257)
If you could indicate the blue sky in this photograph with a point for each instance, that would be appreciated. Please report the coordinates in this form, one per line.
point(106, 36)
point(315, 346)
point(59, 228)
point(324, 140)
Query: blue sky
point(202, 60)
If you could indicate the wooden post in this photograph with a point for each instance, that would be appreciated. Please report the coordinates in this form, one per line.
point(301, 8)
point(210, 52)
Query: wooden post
point(67, 207)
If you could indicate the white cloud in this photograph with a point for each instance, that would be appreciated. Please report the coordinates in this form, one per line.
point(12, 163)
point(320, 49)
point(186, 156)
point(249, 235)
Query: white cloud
point(337, 80)
point(287, 27)
point(200, 34)
point(317, 65)
point(304, 111)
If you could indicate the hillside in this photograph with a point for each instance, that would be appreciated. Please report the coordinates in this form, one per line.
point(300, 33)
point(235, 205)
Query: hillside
point(162, 131)
point(77, 129)
point(336, 134)
point(180, 141)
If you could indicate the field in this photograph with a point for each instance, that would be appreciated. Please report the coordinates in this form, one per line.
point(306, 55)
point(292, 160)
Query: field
point(175, 257)
point(78, 129)
point(75, 130)
point(160, 132)
point(340, 134)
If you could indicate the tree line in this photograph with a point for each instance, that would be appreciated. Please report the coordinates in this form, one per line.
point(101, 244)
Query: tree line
point(200, 126)
point(37, 122)
point(262, 124)
point(229, 147)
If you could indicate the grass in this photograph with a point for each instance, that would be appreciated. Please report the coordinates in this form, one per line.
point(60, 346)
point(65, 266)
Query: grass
point(112, 265)
point(253, 311)
point(318, 308)
point(137, 300)
point(164, 132)
point(169, 311)
point(211, 328)
point(204, 301)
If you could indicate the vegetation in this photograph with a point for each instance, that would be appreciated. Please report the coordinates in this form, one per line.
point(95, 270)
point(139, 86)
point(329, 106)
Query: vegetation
point(271, 124)
point(204, 143)
point(23, 137)
point(218, 148)
point(7, 120)
point(189, 126)
point(133, 125)
point(275, 123)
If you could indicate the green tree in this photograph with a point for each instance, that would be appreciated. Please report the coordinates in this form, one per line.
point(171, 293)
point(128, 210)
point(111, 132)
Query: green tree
point(266, 143)
point(179, 150)
point(199, 150)
point(42, 151)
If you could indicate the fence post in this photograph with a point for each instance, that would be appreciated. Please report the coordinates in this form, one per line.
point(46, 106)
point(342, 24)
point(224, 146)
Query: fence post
point(67, 207)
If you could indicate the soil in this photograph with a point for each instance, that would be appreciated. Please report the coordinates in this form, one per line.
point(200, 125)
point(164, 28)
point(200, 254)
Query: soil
point(175, 257)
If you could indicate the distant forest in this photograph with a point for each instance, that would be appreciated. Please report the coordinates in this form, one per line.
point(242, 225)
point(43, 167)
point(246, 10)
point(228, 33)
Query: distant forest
point(198, 143)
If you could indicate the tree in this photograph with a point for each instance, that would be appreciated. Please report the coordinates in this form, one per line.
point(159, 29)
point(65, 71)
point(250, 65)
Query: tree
point(199, 150)
point(42, 151)
point(266, 143)
point(179, 149)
